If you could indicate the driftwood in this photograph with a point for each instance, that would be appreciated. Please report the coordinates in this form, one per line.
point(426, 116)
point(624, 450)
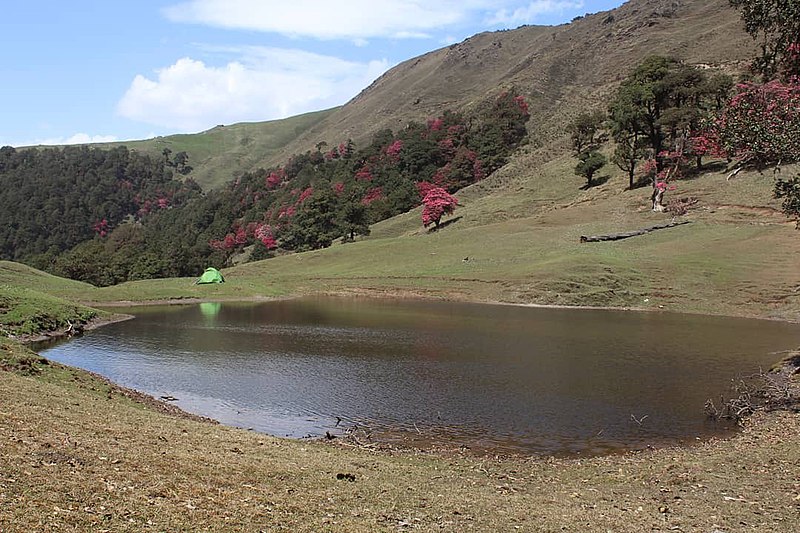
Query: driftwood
point(626, 234)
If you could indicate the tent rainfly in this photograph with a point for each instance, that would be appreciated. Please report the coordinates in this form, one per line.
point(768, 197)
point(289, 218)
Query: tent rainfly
point(211, 275)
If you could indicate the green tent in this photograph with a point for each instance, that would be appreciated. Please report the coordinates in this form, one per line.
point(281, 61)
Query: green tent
point(211, 275)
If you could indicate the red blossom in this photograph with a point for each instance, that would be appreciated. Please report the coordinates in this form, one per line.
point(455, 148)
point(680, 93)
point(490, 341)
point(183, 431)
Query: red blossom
point(523, 105)
point(101, 227)
point(437, 203)
point(435, 124)
point(364, 174)
point(394, 149)
point(424, 187)
point(373, 194)
point(275, 178)
point(305, 195)
point(263, 232)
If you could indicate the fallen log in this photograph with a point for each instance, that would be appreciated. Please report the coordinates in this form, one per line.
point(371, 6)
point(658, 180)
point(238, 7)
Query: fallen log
point(626, 234)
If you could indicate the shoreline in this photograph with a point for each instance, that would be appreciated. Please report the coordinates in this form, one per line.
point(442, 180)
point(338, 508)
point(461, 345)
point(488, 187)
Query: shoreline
point(411, 295)
point(72, 331)
point(79, 453)
point(399, 441)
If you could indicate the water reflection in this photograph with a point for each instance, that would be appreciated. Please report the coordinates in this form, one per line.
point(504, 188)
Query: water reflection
point(521, 379)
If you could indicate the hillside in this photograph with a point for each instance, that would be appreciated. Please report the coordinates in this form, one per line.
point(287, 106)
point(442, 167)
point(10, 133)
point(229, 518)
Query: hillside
point(80, 453)
point(222, 152)
point(560, 70)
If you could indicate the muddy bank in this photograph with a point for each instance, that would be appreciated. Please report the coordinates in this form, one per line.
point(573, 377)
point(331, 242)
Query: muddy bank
point(37, 340)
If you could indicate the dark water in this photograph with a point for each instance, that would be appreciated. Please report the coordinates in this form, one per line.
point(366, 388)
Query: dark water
point(497, 377)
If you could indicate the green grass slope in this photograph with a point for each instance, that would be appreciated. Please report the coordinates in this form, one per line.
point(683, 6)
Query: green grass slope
point(28, 305)
point(224, 151)
point(516, 239)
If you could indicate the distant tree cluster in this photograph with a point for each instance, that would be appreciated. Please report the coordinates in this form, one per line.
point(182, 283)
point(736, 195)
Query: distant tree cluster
point(106, 216)
point(653, 119)
point(337, 192)
point(666, 114)
point(53, 199)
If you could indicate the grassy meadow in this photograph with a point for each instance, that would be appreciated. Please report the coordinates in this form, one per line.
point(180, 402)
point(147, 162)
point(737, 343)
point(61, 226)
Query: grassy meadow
point(78, 453)
point(516, 239)
point(224, 150)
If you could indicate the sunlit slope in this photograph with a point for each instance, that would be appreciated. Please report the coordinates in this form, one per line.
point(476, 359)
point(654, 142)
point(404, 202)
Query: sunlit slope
point(561, 70)
point(739, 256)
point(219, 154)
point(28, 305)
point(517, 239)
point(19, 275)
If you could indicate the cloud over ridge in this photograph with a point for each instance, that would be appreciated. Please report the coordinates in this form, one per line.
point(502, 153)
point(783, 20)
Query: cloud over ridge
point(263, 84)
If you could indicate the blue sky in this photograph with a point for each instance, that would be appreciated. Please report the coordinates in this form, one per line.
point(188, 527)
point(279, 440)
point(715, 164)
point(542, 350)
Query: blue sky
point(99, 70)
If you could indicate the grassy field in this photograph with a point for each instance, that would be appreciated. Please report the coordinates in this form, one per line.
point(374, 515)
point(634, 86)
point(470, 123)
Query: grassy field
point(516, 239)
point(225, 150)
point(77, 453)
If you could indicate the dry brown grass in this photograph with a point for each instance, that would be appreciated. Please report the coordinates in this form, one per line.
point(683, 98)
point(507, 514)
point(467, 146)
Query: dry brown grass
point(76, 455)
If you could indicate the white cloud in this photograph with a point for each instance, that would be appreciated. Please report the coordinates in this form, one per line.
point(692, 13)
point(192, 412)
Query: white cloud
point(343, 19)
point(78, 138)
point(357, 20)
point(528, 13)
point(263, 84)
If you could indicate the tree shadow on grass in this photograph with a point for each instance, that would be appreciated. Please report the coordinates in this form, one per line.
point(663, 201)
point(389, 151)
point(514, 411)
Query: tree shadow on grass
point(712, 166)
point(596, 182)
point(444, 224)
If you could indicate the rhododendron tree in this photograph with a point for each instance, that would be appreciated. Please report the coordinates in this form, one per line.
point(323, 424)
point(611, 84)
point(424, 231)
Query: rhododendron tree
point(394, 149)
point(667, 166)
point(762, 123)
point(275, 178)
point(435, 124)
point(363, 174)
point(101, 228)
point(373, 194)
point(307, 192)
point(263, 232)
point(437, 203)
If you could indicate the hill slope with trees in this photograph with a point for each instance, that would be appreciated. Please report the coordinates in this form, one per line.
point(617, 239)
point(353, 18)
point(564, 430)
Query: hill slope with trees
point(515, 112)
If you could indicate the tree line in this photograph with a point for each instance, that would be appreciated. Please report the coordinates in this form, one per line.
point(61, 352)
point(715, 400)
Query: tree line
point(107, 216)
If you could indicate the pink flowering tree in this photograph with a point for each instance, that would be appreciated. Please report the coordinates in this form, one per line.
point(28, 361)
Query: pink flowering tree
point(672, 165)
point(761, 123)
point(437, 203)
point(101, 228)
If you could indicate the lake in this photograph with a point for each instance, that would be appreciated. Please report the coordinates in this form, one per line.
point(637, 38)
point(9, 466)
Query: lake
point(487, 377)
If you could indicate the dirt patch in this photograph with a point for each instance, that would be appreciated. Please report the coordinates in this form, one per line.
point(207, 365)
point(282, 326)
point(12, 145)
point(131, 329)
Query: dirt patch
point(73, 330)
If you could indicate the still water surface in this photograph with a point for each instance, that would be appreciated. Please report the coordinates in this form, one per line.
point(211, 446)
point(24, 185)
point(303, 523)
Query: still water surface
point(485, 376)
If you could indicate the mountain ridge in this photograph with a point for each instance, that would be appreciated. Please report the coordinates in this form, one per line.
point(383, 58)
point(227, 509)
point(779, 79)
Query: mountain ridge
point(561, 70)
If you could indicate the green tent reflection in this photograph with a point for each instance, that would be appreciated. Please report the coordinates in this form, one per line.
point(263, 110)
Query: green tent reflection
point(210, 309)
